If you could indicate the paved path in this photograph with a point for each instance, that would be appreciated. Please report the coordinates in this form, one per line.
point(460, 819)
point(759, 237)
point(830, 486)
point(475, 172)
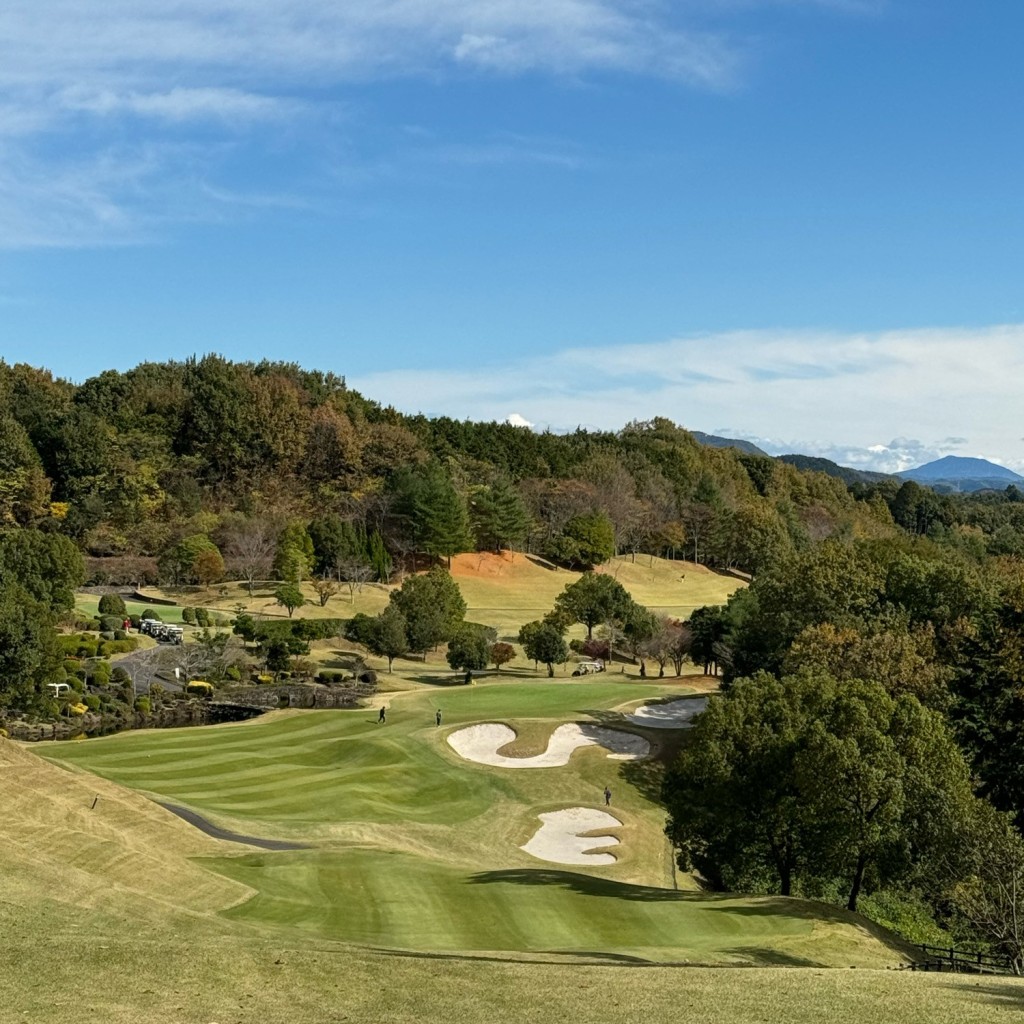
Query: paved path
point(232, 837)
point(149, 666)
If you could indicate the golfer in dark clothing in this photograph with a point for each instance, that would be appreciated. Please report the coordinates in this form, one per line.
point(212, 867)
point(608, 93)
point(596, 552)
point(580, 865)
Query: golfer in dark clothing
point(437, 717)
point(607, 796)
point(380, 717)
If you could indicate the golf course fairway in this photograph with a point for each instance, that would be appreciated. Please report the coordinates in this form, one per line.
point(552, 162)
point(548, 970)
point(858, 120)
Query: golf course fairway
point(413, 847)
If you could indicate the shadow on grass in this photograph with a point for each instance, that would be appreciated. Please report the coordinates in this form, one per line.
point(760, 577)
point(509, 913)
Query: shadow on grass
point(811, 910)
point(1009, 995)
point(542, 562)
point(645, 776)
point(761, 956)
point(587, 885)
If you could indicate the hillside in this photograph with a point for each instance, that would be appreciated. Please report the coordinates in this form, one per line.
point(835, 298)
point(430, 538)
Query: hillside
point(813, 464)
point(958, 473)
point(713, 441)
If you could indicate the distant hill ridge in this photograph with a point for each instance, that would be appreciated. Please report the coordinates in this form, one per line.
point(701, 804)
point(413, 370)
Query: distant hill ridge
point(954, 468)
point(713, 441)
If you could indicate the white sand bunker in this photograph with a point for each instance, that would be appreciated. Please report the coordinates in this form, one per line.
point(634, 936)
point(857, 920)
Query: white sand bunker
point(560, 840)
point(676, 714)
point(481, 743)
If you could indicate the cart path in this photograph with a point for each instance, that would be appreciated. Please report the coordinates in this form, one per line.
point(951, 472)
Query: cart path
point(212, 830)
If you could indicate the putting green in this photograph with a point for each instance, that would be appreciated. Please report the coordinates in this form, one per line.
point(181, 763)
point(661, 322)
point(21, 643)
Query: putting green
point(415, 848)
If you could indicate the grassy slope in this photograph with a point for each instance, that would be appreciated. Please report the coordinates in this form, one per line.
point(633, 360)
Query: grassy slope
point(418, 849)
point(105, 917)
point(172, 940)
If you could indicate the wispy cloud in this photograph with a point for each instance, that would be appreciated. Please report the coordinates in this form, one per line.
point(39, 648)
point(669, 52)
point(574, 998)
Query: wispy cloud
point(78, 76)
point(180, 104)
point(54, 40)
point(842, 396)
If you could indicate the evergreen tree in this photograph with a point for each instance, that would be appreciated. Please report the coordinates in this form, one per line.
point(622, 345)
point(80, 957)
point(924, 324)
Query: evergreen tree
point(499, 517)
point(594, 599)
point(389, 638)
point(543, 642)
point(433, 608)
point(469, 648)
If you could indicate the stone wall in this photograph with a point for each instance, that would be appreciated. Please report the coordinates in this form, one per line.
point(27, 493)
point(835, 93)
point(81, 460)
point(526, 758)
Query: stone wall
point(300, 695)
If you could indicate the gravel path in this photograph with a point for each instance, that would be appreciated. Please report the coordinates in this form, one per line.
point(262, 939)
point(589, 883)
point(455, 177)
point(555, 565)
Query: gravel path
point(210, 829)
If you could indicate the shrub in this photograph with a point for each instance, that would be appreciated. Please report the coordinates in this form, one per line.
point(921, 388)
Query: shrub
point(136, 621)
point(99, 673)
point(188, 615)
point(263, 678)
point(112, 622)
point(148, 613)
point(200, 688)
point(78, 645)
point(142, 705)
point(203, 617)
point(330, 675)
point(112, 604)
point(107, 634)
point(120, 634)
point(233, 673)
point(362, 629)
point(120, 676)
point(91, 701)
point(109, 647)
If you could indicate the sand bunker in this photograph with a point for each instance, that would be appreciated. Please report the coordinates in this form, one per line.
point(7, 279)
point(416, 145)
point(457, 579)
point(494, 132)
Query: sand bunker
point(481, 743)
point(559, 839)
point(676, 714)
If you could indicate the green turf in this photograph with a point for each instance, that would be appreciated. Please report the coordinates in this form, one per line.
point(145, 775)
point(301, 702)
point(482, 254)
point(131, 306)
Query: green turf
point(423, 905)
point(89, 604)
point(290, 773)
point(416, 848)
point(109, 913)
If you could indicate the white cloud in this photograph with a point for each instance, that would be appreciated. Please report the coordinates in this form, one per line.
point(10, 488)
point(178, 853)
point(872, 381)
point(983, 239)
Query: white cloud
point(807, 390)
point(179, 104)
point(515, 420)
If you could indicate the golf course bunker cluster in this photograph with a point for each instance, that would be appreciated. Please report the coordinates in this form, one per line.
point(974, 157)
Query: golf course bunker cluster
point(482, 743)
point(562, 837)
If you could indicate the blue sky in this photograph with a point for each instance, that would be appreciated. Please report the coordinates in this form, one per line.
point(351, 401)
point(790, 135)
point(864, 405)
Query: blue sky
point(793, 220)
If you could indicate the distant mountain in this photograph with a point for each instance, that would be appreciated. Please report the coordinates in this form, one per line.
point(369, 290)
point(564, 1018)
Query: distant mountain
point(813, 464)
point(957, 473)
point(711, 441)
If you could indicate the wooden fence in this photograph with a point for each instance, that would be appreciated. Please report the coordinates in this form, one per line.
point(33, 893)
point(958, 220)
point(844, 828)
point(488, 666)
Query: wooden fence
point(947, 958)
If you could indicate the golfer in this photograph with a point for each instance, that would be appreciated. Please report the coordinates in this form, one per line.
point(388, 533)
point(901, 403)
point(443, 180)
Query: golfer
point(607, 796)
point(437, 716)
point(380, 717)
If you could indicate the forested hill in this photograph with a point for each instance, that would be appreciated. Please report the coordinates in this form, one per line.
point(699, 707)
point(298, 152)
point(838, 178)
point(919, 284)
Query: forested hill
point(132, 465)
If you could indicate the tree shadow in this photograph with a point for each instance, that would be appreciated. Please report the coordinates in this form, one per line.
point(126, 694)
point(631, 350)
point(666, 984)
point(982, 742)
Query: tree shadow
point(645, 776)
point(811, 910)
point(542, 562)
point(586, 885)
point(1009, 995)
point(761, 956)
